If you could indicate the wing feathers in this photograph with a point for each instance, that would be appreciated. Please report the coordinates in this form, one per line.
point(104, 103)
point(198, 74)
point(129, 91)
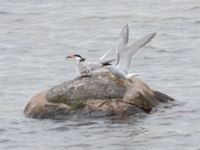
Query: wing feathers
point(104, 56)
point(132, 49)
point(126, 60)
point(123, 42)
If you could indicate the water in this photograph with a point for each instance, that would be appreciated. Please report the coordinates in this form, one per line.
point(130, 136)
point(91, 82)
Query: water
point(35, 36)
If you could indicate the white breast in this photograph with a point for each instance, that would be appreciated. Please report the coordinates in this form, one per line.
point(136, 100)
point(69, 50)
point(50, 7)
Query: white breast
point(83, 68)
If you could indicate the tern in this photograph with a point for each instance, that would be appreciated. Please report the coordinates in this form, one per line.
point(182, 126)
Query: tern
point(125, 53)
point(84, 68)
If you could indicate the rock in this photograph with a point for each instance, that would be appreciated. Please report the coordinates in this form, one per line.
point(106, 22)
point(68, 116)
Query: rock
point(39, 107)
point(96, 86)
point(98, 94)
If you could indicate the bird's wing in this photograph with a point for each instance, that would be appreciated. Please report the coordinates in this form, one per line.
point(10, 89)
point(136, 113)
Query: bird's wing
point(126, 60)
point(104, 56)
point(124, 35)
point(123, 43)
point(132, 49)
point(96, 65)
point(116, 72)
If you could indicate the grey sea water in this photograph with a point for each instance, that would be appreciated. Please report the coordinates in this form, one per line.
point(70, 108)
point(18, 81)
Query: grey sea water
point(35, 37)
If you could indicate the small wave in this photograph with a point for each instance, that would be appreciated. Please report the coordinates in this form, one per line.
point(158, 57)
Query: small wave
point(19, 20)
point(4, 13)
point(147, 57)
point(195, 37)
point(194, 8)
point(35, 13)
point(177, 18)
point(77, 146)
point(162, 51)
point(4, 141)
point(107, 17)
point(2, 130)
point(151, 47)
point(96, 17)
point(29, 132)
point(197, 22)
point(82, 123)
point(62, 128)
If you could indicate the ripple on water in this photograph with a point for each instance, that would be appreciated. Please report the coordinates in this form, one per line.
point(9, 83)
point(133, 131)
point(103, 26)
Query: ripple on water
point(176, 18)
point(82, 146)
point(195, 8)
point(61, 128)
point(4, 13)
point(29, 132)
point(4, 140)
point(2, 130)
point(197, 22)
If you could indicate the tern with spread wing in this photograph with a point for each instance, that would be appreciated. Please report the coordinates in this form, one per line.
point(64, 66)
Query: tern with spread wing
point(125, 53)
point(84, 68)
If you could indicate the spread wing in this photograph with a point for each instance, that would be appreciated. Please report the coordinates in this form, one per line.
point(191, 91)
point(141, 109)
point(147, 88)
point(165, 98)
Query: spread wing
point(116, 72)
point(132, 49)
point(101, 59)
point(123, 43)
point(97, 65)
point(126, 60)
point(104, 61)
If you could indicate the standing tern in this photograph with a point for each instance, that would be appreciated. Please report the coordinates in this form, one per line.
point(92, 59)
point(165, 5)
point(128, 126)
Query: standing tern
point(84, 68)
point(125, 53)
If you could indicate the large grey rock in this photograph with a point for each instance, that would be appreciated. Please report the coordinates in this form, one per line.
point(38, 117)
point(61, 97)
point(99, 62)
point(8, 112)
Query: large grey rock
point(94, 95)
point(95, 86)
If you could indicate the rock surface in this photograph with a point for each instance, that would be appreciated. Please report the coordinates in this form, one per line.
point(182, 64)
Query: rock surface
point(98, 94)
